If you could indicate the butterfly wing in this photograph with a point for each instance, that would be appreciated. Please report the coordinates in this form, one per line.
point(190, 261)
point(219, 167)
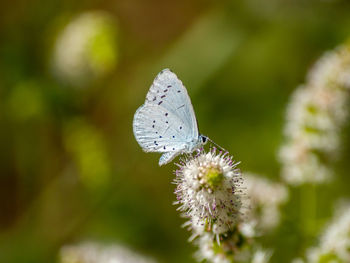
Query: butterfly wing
point(168, 92)
point(166, 122)
point(167, 157)
point(156, 132)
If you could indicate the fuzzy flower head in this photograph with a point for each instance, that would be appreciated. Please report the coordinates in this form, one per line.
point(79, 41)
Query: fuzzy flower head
point(208, 191)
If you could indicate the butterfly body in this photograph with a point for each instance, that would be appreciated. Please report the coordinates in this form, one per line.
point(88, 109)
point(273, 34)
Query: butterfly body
point(166, 122)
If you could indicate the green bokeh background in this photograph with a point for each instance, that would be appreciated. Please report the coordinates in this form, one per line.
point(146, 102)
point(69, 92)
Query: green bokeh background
point(70, 168)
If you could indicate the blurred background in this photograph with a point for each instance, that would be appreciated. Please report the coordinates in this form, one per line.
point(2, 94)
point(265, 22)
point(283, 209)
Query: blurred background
point(73, 73)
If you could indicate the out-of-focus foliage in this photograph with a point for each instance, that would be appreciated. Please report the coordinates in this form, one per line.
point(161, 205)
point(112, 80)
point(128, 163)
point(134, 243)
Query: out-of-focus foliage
point(70, 168)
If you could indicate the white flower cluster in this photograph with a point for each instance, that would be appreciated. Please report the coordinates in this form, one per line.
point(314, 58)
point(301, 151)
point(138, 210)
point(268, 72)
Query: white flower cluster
point(85, 49)
point(228, 251)
point(315, 115)
point(262, 203)
point(334, 244)
point(97, 253)
point(209, 192)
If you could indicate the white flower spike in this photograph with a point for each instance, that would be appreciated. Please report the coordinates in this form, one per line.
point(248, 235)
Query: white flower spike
point(209, 191)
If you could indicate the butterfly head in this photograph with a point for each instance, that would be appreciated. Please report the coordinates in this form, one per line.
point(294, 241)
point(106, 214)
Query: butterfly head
point(203, 139)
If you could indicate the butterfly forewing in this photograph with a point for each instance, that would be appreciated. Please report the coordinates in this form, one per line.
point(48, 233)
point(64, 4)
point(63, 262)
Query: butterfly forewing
point(166, 122)
point(168, 92)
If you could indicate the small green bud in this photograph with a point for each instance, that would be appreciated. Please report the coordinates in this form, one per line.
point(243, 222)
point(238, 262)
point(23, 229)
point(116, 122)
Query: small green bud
point(213, 177)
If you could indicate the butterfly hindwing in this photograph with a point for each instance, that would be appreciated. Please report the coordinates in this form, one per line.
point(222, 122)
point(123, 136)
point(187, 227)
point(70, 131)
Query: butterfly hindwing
point(156, 132)
point(167, 157)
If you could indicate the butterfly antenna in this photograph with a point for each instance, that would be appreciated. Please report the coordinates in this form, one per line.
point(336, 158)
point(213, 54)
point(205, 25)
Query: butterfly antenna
point(222, 148)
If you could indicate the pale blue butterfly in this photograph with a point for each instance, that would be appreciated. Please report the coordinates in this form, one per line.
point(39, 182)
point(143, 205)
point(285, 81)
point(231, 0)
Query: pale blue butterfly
point(166, 122)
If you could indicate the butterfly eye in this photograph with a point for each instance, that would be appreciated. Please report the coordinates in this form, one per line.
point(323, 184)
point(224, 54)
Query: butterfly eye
point(204, 139)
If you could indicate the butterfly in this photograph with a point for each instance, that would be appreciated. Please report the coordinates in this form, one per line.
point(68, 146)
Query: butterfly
point(166, 122)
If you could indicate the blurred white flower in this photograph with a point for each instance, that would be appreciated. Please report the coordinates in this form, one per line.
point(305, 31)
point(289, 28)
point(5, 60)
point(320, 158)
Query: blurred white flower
point(209, 192)
point(334, 245)
point(248, 228)
point(209, 250)
point(262, 203)
point(86, 48)
point(315, 116)
point(96, 253)
point(261, 256)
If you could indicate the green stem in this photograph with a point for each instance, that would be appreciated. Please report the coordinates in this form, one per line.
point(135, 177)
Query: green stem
point(308, 211)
